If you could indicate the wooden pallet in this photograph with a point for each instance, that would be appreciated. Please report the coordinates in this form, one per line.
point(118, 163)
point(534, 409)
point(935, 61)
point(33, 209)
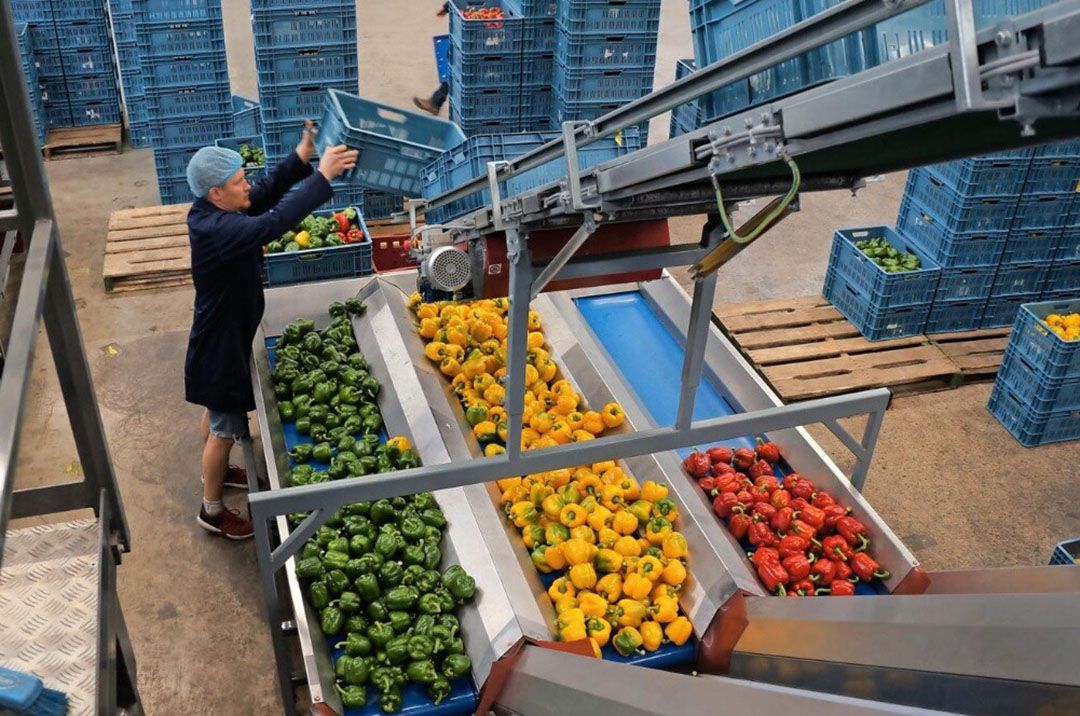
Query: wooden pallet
point(75, 142)
point(147, 248)
point(806, 349)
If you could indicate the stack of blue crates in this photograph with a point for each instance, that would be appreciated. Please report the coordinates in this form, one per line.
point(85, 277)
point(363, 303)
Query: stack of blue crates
point(605, 56)
point(686, 117)
point(1036, 394)
point(73, 54)
point(33, 87)
point(125, 39)
point(186, 82)
point(303, 48)
point(1055, 170)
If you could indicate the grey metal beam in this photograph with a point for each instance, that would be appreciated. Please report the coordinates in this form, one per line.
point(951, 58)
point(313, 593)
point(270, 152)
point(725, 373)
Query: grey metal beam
point(553, 267)
point(9, 219)
point(628, 262)
point(51, 498)
point(519, 256)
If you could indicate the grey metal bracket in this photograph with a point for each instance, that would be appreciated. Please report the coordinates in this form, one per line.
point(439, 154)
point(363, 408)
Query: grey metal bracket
point(863, 450)
point(587, 229)
point(496, 196)
point(573, 169)
point(965, 55)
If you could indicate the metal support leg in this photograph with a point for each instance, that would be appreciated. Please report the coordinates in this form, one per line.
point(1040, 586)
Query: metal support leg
point(863, 450)
point(517, 336)
point(697, 335)
point(275, 615)
point(587, 228)
point(573, 169)
point(964, 53)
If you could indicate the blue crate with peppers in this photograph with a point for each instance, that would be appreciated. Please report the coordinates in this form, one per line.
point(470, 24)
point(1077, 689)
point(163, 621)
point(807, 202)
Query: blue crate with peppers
point(325, 245)
point(799, 538)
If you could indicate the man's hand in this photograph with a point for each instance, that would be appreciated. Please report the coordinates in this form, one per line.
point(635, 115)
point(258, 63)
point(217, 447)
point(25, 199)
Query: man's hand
point(306, 148)
point(335, 161)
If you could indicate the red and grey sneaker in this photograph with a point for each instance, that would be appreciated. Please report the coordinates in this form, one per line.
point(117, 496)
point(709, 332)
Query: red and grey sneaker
point(227, 523)
point(235, 476)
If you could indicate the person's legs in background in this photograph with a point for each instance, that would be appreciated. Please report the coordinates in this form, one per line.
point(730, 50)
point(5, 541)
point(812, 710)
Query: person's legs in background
point(434, 103)
point(221, 430)
point(235, 476)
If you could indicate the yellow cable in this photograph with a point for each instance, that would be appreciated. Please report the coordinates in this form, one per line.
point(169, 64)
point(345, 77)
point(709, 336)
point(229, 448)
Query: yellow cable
point(796, 179)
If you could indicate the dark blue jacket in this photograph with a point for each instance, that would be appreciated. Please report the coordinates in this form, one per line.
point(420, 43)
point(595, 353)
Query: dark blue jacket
point(226, 254)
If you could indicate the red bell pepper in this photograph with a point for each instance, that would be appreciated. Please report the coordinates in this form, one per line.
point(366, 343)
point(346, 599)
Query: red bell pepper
point(790, 481)
point(722, 468)
point(802, 587)
point(727, 483)
point(780, 498)
point(745, 497)
point(341, 221)
point(760, 534)
point(800, 528)
point(836, 548)
point(707, 484)
point(841, 588)
point(768, 452)
point(769, 482)
point(866, 567)
point(723, 503)
point(792, 544)
point(812, 516)
point(697, 464)
point(763, 554)
point(797, 565)
point(760, 493)
point(781, 521)
point(760, 468)
point(833, 513)
point(719, 455)
point(742, 459)
point(823, 571)
point(739, 524)
point(823, 499)
point(853, 531)
point(843, 571)
point(773, 576)
point(355, 236)
point(799, 503)
point(342, 237)
point(763, 512)
point(803, 488)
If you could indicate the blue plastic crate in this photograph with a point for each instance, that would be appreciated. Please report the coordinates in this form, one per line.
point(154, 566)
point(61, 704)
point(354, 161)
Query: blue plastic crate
point(280, 138)
point(957, 284)
point(843, 57)
point(233, 143)
point(74, 63)
point(121, 7)
point(1052, 175)
point(292, 104)
point(95, 111)
point(68, 10)
point(441, 46)
point(538, 35)
point(164, 40)
point(729, 99)
point(173, 161)
point(130, 59)
point(538, 69)
point(874, 322)
point(348, 261)
point(888, 290)
point(185, 71)
point(472, 128)
point(486, 103)
point(1002, 311)
point(189, 131)
point(951, 316)
point(1042, 211)
point(174, 190)
point(956, 211)
point(82, 34)
point(302, 26)
point(983, 176)
point(1025, 245)
point(380, 205)
point(133, 83)
point(685, 117)
point(86, 88)
point(395, 145)
point(487, 71)
point(307, 65)
point(1033, 339)
point(1028, 383)
point(177, 10)
point(32, 11)
point(1063, 276)
point(948, 248)
point(539, 99)
point(609, 17)
point(1069, 149)
point(57, 114)
point(618, 85)
point(534, 8)
point(139, 135)
point(1029, 426)
point(137, 113)
point(124, 30)
point(262, 5)
point(505, 36)
point(1067, 552)
point(1020, 279)
point(195, 101)
point(246, 116)
point(1068, 247)
point(630, 51)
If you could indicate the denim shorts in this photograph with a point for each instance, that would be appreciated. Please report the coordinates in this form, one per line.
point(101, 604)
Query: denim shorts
point(228, 425)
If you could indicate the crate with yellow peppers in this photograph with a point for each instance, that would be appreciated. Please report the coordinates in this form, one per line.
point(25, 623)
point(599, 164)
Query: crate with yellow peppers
point(608, 548)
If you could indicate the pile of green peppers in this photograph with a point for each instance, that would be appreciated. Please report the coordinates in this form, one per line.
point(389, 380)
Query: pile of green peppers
point(887, 256)
point(372, 573)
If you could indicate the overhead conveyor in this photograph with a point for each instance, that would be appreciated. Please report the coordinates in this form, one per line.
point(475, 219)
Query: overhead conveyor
point(1012, 85)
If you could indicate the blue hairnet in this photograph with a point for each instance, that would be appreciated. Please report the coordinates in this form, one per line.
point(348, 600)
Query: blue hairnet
point(210, 167)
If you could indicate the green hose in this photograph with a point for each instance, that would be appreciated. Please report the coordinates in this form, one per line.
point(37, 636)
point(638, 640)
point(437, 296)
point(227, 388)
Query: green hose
point(796, 178)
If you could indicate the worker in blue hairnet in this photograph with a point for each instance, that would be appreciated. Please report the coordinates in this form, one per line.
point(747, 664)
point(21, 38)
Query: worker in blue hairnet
point(228, 225)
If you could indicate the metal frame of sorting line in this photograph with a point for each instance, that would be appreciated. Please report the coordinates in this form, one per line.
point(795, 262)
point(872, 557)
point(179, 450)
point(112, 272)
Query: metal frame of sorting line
point(45, 296)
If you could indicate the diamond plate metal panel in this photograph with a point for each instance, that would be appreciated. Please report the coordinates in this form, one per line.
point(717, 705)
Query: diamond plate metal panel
point(49, 608)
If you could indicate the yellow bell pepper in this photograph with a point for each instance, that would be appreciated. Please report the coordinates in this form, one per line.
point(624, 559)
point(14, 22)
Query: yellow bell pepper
point(560, 588)
point(656, 530)
point(663, 610)
point(599, 630)
point(532, 535)
point(541, 422)
point(610, 587)
point(667, 509)
point(613, 415)
point(611, 496)
point(678, 631)
point(663, 589)
point(627, 641)
point(600, 517)
point(564, 604)
point(302, 239)
point(674, 546)
point(583, 576)
point(631, 489)
point(606, 537)
point(592, 604)
point(572, 632)
point(636, 586)
point(574, 615)
point(435, 351)
point(574, 419)
point(653, 491)
point(629, 612)
point(539, 558)
point(508, 482)
point(627, 546)
point(570, 494)
point(590, 504)
point(592, 422)
point(608, 560)
point(552, 506)
point(577, 551)
point(485, 430)
point(493, 449)
point(624, 522)
point(560, 478)
point(495, 394)
point(584, 532)
point(573, 515)
point(538, 492)
point(555, 533)
point(650, 567)
point(554, 558)
point(523, 513)
point(674, 573)
point(641, 509)
point(652, 634)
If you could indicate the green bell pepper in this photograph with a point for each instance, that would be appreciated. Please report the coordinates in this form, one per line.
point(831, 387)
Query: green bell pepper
point(380, 634)
point(367, 586)
point(337, 308)
point(459, 583)
point(301, 453)
point(345, 444)
point(357, 362)
point(446, 600)
point(400, 621)
point(352, 423)
point(322, 452)
point(455, 646)
point(391, 574)
point(378, 612)
point(355, 644)
point(455, 666)
point(428, 581)
point(282, 393)
point(301, 385)
point(390, 700)
point(303, 425)
point(412, 528)
point(336, 560)
point(348, 394)
point(352, 697)
point(424, 500)
point(354, 305)
point(422, 671)
point(372, 424)
point(356, 670)
point(432, 555)
point(360, 544)
point(312, 343)
point(388, 544)
point(433, 517)
point(370, 387)
point(357, 623)
point(382, 512)
point(432, 535)
point(333, 420)
point(310, 549)
point(449, 621)
point(338, 544)
point(318, 595)
point(361, 509)
point(331, 620)
point(310, 568)
point(287, 411)
point(407, 460)
point(420, 646)
point(302, 405)
point(413, 555)
point(338, 470)
point(411, 574)
point(401, 597)
point(371, 562)
point(397, 650)
point(429, 604)
point(423, 625)
point(438, 690)
point(369, 464)
point(349, 602)
point(337, 581)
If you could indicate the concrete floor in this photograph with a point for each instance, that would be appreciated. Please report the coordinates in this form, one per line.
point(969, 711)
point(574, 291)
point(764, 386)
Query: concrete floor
point(192, 603)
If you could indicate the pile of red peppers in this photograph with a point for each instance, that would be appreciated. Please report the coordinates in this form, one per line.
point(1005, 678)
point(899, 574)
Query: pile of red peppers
point(806, 544)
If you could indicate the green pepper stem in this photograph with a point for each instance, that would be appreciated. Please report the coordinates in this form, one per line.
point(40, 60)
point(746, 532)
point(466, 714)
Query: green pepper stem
point(882, 574)
point(863, 543)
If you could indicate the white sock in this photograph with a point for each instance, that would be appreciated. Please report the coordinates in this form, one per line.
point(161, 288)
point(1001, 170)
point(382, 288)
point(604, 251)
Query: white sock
point(213, 507)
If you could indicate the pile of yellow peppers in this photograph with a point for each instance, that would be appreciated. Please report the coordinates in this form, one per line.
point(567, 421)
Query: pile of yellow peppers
point(623, 562)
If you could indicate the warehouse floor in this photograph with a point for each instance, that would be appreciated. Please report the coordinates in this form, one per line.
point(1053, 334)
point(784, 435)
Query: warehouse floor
point(192, 603)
